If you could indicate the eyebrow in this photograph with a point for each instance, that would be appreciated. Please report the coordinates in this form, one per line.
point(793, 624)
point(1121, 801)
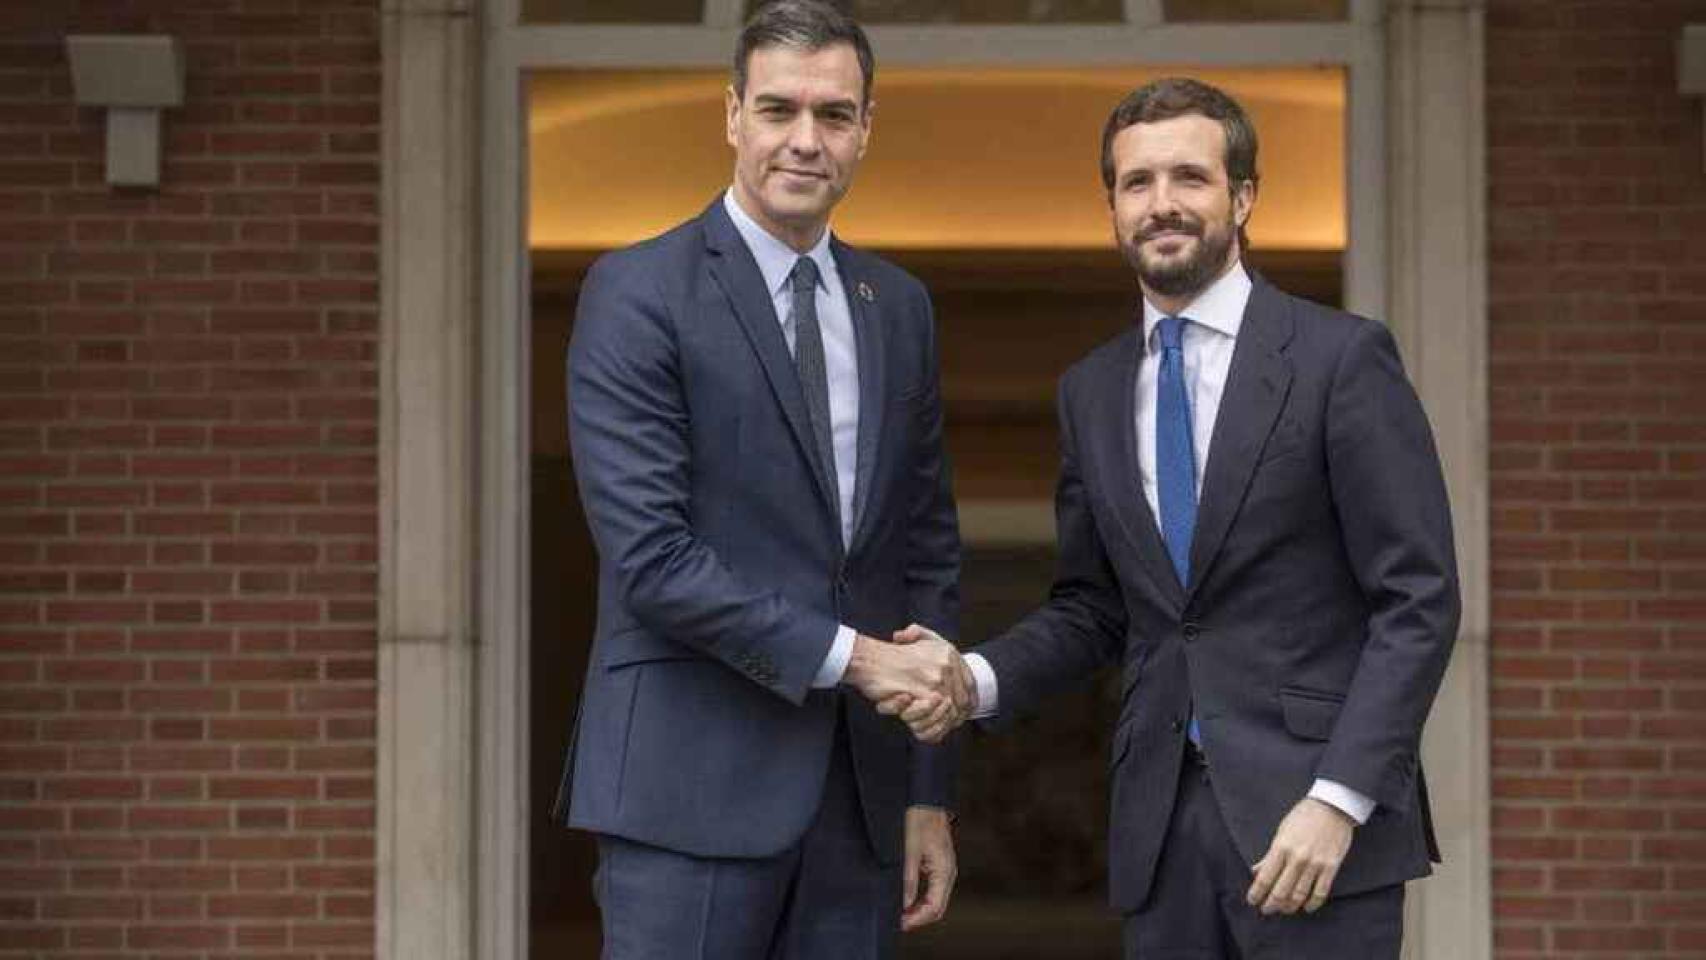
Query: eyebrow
point(777, 99)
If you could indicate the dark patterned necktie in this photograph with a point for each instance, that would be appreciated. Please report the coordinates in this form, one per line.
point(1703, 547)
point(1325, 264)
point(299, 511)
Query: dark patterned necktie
point(814, 379)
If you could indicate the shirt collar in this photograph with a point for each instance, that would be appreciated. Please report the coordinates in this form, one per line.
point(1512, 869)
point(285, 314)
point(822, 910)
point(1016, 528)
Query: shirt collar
point(1219, 308)
point(775, 258)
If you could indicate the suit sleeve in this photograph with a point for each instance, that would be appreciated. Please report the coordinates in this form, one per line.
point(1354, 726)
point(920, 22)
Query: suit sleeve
point(932, 564)
point(630, 436)
point(1081, 627)
point(1391, 502)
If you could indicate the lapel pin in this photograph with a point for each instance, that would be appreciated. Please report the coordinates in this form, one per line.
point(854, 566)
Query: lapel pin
point(866, 293)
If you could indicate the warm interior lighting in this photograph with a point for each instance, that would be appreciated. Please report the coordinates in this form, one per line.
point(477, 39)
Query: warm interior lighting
point(959, 158)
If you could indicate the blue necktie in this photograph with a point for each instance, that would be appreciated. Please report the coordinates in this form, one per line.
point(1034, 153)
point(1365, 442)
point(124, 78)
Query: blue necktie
point(1175, 460)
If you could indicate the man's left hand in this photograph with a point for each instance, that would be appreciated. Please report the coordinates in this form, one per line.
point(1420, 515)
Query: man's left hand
point(1299, 867)
point(930, 870)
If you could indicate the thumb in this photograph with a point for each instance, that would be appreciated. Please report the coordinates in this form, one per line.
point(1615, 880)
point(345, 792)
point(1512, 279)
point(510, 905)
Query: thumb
point(909, 880)
point(912, 634)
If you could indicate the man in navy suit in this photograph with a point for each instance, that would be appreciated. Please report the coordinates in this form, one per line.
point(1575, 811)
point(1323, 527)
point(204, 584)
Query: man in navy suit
point(1252, 521)
point(757, 434)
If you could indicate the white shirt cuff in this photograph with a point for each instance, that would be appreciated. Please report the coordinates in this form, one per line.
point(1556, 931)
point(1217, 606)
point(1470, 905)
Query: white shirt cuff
point(984, 674)
point(1348, 801)
point(834, 665)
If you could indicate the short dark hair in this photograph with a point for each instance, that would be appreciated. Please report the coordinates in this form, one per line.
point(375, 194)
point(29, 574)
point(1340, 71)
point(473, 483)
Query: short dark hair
point(1172, 97)
point(804, 25)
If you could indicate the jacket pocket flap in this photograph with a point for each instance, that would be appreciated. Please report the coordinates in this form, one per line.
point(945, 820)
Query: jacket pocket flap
point(640, 646)
point(1310, 715)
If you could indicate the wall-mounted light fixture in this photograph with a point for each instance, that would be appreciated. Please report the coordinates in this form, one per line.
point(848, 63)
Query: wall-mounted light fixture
point(1691, 64)
point(134, 77)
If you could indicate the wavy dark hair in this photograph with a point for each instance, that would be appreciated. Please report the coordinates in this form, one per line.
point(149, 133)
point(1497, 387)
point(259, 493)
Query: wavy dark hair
point(804, 25)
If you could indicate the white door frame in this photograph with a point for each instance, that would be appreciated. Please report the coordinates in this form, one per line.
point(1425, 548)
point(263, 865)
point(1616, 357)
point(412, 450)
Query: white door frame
point(454, 812)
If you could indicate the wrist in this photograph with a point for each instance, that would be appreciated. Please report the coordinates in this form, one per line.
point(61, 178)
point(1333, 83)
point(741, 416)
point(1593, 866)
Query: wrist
point(860, 660)
point(1338, 814)
point(925, 811)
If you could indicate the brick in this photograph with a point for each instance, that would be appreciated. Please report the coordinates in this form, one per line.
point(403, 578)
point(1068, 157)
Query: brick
point(1603, 939)
point(179, 819)
point(263, 906)
point(280, 849)
point(262, 818)
point(183, 877)
point(345, 935)
point(180, 758)
point(253, 729)
point(264, 788)
point(1533, 787)
point(177, 937)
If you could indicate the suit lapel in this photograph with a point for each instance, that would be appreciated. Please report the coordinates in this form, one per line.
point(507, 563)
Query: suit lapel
point(1125, 481)
point(1256, 389)
point(737, 274)
point(865, 306)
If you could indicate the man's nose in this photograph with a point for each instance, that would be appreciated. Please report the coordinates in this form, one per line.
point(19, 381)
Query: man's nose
point(1162, 200)
point(804, 136)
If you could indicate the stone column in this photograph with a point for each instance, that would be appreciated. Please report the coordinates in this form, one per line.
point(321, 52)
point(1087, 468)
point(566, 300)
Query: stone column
point(1436, 249)
point(425, 883)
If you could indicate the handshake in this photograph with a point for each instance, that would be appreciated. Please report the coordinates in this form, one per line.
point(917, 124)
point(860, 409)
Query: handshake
point(919, 677)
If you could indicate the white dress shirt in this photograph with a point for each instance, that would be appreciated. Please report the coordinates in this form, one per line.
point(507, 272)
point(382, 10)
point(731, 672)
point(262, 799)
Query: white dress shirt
point(1214, 319)
point(841, 365)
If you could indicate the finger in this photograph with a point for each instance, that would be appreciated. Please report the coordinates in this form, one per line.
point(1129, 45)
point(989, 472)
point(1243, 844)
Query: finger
point(895, 705)
point(933, 728)
point(1300, 892)
point(909, 879)
point(931, 904)
point(1286, 896)
point(943, 715)
point(934, 733)
point(924, 711)
point(1267, 870)
point(919, 709)
point(1323, 888)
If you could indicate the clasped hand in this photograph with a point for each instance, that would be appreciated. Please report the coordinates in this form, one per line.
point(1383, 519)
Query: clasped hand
point(918, 677)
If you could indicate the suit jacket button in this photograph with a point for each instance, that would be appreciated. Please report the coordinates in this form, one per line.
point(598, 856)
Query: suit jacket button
point(1191, 631)
point(1176, 726)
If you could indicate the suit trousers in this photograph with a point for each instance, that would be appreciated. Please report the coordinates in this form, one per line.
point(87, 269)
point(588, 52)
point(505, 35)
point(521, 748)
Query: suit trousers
point(1196, 909)
point(825, 898)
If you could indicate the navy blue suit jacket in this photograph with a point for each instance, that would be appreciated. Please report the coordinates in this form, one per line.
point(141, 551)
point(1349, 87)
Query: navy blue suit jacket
point(722, 572)
point(1322, 600)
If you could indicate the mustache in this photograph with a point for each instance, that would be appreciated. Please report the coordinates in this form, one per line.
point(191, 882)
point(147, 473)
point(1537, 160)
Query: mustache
point(1175, 223)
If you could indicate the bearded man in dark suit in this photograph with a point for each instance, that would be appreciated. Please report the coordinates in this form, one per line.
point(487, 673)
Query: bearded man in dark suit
point(1253, 522)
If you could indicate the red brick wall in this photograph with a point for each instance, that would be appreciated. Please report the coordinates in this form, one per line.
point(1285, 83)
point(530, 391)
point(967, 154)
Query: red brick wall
point(187, 493)
point(1597, 189)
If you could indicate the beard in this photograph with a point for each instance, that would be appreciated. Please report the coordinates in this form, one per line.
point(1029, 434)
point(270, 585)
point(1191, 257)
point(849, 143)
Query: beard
point(1193, 273)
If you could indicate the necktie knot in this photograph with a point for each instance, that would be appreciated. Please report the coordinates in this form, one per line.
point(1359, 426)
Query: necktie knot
point(1172, 333)
point(804, 276)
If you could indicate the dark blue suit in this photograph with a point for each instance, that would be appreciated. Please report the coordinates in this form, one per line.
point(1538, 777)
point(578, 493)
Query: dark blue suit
point(722, 572)
point(1320, 608)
